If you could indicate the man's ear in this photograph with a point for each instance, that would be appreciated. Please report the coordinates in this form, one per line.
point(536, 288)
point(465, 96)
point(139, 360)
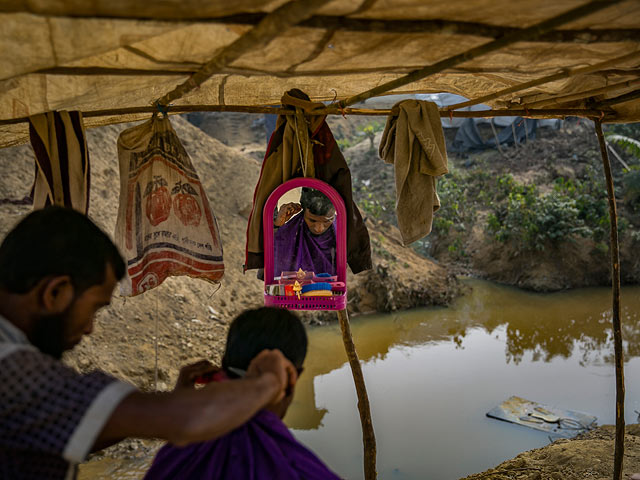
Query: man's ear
point(57, 294)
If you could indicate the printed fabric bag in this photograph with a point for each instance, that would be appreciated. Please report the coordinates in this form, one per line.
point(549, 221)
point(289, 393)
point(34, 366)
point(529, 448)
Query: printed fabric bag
point(165, 225)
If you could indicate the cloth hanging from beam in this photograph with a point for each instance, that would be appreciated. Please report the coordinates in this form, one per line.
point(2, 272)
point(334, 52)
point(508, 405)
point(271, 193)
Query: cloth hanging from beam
point(289, 156)
point(414, 143)
point(62, 160)
point(165, 225)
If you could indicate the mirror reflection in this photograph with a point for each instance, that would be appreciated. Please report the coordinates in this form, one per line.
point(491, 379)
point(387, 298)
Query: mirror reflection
point(304, 236)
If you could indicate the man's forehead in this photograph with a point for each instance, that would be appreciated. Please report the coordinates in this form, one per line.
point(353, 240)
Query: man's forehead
point(320, 218)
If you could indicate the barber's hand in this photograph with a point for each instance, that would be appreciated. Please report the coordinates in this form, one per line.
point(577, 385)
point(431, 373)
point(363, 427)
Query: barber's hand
point(190, 373)
point(273, 361)
point(286, 211)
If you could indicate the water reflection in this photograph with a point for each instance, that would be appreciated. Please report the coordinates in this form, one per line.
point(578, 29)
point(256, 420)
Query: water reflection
point(538, 326)
point(433, 374)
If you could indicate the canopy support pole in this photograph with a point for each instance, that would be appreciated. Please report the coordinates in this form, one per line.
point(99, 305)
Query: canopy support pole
point(368, 437)
point(543, 80)
point(617, 329)
point(264, 32)
point(526, 34)
point(621, 99)
point(518, 112)
point(563, 99)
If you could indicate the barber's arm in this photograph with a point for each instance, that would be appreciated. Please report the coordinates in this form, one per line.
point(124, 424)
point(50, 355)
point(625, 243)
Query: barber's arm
point(188, 415)
point(286, 211)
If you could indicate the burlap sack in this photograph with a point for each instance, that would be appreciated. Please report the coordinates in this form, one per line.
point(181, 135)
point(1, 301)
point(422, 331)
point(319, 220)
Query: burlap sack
point(165, 225)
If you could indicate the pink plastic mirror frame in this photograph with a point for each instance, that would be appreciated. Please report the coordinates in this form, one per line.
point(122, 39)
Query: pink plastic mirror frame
point(336, 302)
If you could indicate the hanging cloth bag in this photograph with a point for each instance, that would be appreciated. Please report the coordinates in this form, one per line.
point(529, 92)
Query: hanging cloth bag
point(165, 225)
point(62, 160)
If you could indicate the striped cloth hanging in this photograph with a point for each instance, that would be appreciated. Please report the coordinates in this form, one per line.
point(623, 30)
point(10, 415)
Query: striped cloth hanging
point(62, 160)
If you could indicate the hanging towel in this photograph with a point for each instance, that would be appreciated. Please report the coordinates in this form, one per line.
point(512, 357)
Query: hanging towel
point(414, 142)
point(62, 160)
point(165, 225)
point(303, 145)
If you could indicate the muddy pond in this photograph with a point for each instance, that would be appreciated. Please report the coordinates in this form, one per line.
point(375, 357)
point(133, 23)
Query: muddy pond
point(432, 374)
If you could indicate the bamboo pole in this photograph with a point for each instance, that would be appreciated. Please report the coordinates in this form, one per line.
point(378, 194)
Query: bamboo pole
point(264, 32)
point(368, 436)
point(526, 34)
point(547, 79)
point(175, 109)
point(617, 329)
point(495, 136)
point(621, 99)
point(150, 12)
point(585, 94)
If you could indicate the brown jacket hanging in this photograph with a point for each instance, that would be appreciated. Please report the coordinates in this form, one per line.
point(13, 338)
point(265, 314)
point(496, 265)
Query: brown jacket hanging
point(284, 161)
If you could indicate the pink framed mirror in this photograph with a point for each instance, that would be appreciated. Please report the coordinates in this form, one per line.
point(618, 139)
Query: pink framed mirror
point(305, 243)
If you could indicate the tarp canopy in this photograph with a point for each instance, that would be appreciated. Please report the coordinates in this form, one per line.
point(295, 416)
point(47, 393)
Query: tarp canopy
point(107, 54)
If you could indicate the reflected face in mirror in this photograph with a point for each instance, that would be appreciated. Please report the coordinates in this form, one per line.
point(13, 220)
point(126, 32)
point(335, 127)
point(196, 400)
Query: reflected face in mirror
point(318, 224)
point(305, 233)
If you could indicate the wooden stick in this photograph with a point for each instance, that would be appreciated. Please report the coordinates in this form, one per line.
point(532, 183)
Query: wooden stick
point(185, 15)
point(91, 71)
point(263, 33)
point(368, 436)
point(621, 99)
point(547, 113)
point(495, 136)
point(617, 328)
point(543, 80)
point(617, 156)
point(526, 34)
point(585, 94)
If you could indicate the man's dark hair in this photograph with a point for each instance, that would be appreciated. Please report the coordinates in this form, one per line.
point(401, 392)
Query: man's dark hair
point(315, 201)
point(57, 241)
point(262, 328)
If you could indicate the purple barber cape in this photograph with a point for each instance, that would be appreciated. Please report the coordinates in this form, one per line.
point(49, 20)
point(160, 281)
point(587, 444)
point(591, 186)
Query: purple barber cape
point(296, 247)
point(261, 449)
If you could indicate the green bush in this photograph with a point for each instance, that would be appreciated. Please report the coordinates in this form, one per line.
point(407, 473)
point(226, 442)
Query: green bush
point(456, 209)
point(531, 221)
point(591, 201)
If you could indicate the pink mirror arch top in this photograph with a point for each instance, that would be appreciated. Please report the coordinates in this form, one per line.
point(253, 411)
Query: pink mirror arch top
point(289, 292)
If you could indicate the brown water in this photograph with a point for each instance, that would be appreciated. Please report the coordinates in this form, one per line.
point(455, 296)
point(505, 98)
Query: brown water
point(432, 374)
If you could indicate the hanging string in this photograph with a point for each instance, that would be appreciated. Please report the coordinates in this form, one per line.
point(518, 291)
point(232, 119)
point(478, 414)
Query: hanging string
point(303, 162)
point(219, 285)
point(156, 346)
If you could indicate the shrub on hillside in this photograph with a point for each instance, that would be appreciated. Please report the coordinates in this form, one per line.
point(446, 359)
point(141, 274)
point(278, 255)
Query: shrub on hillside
point(531, 221)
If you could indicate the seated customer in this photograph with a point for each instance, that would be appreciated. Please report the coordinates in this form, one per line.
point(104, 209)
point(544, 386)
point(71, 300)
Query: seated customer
point(263, 448)
point(308, 239)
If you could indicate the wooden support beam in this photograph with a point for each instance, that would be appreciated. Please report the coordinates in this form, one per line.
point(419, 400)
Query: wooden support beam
point(94, 71)
point(621, 99)
point(521, 112)
point(559, 100)
point(264, 32)
point(368, 436)
point(547, 79)
point(526, 34)
point(339, 23)
point(450, 27)
point(615, 312)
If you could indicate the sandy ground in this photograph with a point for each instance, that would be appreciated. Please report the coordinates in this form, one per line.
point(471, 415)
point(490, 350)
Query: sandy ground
point(588, 456)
